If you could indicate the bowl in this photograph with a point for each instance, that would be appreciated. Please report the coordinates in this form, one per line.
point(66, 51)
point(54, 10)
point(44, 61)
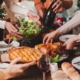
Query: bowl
point(30, 29)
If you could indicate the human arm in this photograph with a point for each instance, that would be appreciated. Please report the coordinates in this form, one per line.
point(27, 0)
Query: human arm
point(20, 10)
point(16, 8)
point(74, 22)
point(62, 5)
point(40, 7)
point(69, 44)
point(15, 69)
point(11, 29)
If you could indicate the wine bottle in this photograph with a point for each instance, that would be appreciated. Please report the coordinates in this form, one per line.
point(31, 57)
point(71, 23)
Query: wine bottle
point(49, 16)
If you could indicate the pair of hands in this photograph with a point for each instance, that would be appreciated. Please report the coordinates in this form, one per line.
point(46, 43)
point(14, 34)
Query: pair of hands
point(14, 69)
point(56, 7)
point(14, 32)
point(69, 44)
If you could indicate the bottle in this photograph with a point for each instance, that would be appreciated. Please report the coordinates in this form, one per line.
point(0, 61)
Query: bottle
point(49, 16)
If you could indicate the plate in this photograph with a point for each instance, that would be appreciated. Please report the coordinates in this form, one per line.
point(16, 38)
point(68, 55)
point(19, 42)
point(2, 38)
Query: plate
point(4, 65)
point(64, 38)
point(64, 56)
point(4, 46)
point(76, 62)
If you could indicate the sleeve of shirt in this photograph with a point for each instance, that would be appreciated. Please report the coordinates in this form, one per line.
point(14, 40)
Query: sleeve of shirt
point(2, 24)
point(73, 23)
point(16, 8)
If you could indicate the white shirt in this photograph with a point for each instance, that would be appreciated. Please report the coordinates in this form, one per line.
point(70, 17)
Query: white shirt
point(14, 8)
point(73, 23)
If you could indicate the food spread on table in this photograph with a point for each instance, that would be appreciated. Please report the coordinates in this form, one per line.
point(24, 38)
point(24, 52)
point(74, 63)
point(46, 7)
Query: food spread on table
point(54, 50)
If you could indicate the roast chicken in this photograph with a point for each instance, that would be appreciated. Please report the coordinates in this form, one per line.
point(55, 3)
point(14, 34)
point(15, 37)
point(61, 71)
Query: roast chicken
point(50, 48)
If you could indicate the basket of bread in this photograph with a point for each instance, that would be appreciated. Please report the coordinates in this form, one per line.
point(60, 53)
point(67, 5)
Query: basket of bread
point(28, 54)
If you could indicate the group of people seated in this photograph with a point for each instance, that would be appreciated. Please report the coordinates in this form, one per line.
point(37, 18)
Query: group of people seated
point(15, 69)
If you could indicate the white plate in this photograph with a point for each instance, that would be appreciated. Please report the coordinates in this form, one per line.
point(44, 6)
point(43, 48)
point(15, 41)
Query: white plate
point(64, 38)
point(64, 56)
point(14, 43)
point(3, 65)
point(75, 64)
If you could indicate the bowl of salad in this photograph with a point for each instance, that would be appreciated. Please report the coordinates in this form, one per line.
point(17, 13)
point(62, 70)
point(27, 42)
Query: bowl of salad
point(29, 29)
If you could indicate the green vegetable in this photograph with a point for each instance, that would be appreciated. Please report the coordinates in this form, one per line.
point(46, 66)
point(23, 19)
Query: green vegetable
point(29, 29)
point(55, 59)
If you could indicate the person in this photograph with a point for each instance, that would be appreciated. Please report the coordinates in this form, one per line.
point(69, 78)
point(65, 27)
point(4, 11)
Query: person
point(59, 6)
point(18, 10)
point(14, 69)
point(69, 44)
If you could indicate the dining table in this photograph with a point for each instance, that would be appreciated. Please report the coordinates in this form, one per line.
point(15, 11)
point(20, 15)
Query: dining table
point(34, 73)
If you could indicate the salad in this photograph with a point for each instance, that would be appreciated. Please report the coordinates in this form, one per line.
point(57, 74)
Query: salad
point(30, 29)
point(55, 59)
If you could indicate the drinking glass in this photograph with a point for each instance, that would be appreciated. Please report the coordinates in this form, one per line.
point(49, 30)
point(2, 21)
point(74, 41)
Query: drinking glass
point(7, 38)
point(44, 64)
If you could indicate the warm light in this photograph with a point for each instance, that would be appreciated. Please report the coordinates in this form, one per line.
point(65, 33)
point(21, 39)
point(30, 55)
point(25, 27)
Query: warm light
point(18, 3)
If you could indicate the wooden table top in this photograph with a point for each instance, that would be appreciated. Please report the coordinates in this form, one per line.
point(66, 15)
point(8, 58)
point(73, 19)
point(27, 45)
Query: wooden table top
point(33, 72)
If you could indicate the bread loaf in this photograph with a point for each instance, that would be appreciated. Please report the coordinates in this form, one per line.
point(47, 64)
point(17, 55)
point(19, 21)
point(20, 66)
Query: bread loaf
point(70, 71)
point(59, 75)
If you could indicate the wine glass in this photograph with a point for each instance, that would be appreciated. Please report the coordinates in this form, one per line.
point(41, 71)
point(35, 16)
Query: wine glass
point(44, 64)
point(7, 38)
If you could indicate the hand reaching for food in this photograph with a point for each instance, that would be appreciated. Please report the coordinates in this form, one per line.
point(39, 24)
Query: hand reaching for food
point(48, 38)
point(15, 69)
point(69, 44)
point(35, 17)
point(12, 30)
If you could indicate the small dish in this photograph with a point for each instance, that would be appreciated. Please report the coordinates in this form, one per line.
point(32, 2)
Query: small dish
point(4, 65)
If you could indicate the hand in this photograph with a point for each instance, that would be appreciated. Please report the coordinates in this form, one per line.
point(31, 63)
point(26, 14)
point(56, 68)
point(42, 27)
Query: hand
point(50, 37)
point(35, 17)
point(42, 12)
point(58, 4)
point(69, 44)
point(15, 69)
point(12, 30)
